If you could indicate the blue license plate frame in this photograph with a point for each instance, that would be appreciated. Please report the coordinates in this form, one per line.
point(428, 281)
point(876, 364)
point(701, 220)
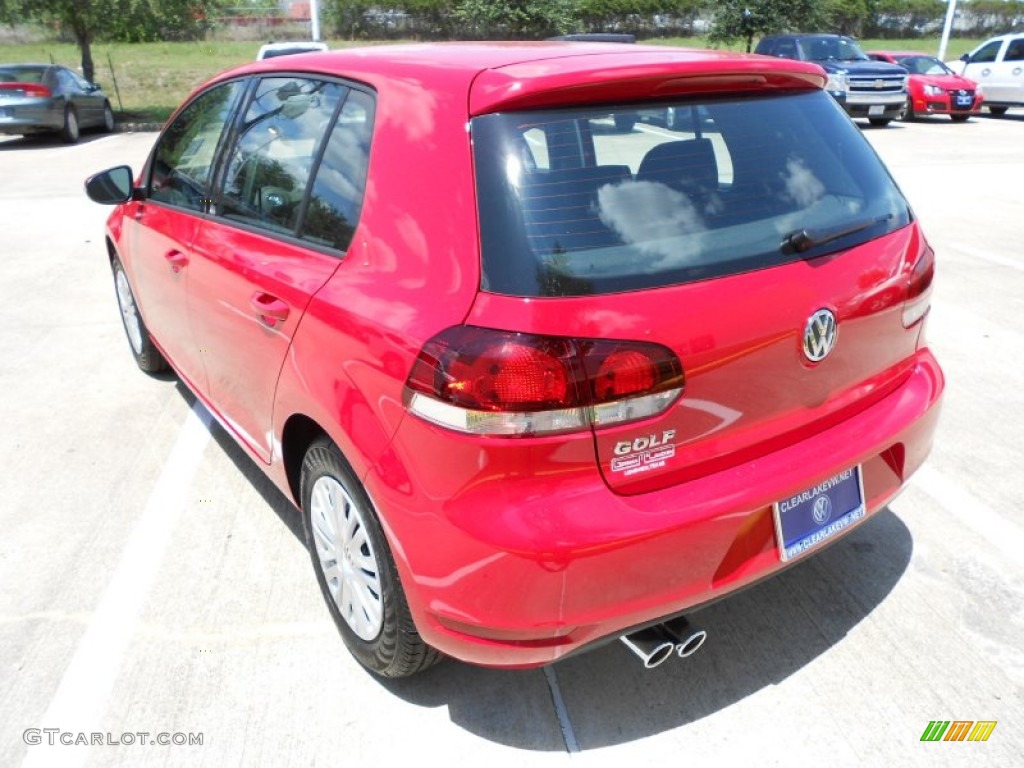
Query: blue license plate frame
point(808, 519)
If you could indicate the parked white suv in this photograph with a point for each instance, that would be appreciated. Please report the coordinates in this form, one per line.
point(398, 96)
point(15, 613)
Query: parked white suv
point(997, 65)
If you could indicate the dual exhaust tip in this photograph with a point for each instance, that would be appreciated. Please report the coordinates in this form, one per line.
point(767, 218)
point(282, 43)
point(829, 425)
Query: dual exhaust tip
point(656, 645)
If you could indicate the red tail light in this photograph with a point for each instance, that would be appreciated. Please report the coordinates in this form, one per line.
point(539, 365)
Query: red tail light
point(32, 90)
point(484, 381)
point(919, 285)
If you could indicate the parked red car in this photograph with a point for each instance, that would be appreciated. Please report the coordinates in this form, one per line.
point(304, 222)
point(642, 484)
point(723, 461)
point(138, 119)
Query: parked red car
point(534, 382)
point(933, 88)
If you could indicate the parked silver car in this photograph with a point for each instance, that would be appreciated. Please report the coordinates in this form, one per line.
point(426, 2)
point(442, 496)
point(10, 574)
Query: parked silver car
point(46, 98)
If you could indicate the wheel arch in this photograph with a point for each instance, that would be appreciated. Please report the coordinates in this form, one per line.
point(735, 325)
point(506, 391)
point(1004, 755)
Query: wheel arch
point(298, 434)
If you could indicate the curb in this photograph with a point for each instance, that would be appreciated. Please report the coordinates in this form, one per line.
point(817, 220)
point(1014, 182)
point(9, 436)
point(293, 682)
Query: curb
point(138, 127)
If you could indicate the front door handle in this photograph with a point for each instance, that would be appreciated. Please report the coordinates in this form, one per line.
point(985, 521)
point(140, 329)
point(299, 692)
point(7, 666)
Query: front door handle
point(270, 309)
point(177, 260)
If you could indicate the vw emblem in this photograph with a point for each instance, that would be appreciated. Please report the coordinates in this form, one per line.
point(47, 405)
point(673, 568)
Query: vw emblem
point(822, 510)
point(820, 335)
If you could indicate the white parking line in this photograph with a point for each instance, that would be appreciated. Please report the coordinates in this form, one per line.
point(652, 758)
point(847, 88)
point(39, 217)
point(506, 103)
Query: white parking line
point(81, 699)
point(981, 518)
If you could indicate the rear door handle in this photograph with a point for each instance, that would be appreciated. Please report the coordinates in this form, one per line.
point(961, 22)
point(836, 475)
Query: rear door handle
point(177, 260)
point(270, 309)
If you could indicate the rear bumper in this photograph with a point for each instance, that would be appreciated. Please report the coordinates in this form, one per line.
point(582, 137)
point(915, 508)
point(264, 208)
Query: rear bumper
point(521, 568)
point(29, 119)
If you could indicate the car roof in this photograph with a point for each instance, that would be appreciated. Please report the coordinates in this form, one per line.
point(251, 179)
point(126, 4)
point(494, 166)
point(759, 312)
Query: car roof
point(896, 54)
point(792, 35)
point(545, 73)
point(22, 65)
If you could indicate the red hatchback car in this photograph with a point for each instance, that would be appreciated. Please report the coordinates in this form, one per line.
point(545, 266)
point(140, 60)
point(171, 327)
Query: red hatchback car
point(536, 383)
point(933, 88)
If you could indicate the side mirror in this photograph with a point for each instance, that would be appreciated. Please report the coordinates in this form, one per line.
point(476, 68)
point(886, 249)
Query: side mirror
point(966, 58)
point(93, 87)
point(110, 187)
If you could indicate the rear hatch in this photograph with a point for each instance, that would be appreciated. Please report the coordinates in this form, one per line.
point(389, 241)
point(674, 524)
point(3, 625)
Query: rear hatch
point(760, 243)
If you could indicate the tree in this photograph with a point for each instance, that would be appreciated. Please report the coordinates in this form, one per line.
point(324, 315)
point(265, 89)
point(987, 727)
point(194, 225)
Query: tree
point(523, 19)
point(130, 20)
point(743, 19)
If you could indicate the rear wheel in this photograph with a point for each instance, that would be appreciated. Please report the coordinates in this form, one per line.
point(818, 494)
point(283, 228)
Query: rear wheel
point(355, 569)
point(70, 132)
point(998, 111)
point(146, 355)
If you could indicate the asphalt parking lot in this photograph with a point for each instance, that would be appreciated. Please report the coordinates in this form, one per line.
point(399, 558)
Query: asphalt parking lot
point(154, 583)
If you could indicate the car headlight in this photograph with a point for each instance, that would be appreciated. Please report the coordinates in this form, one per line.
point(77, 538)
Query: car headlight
point(932, 90)
point(837, 82)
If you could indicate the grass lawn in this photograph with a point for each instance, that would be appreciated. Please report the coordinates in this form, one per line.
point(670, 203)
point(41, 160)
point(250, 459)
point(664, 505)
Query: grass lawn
point(146, 81)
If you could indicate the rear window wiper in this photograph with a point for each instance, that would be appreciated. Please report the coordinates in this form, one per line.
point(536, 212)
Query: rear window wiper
point(804, 239)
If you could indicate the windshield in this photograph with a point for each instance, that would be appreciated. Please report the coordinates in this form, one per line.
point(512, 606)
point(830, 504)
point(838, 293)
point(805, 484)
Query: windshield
point(579, 202)
point(832, 48)
point(924, 65)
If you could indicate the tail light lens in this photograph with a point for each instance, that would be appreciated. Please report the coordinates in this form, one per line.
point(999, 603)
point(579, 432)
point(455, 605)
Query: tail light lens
point(31, 90)
point(919, 286)
point(483, 381)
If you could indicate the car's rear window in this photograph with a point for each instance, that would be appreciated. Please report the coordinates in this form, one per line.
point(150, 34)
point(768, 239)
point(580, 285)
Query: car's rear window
point(590, 201)
point(22, 74)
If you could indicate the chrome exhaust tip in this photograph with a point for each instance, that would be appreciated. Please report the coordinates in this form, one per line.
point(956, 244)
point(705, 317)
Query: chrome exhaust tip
point(652, 646)
point(687, 638)
point(656, 645)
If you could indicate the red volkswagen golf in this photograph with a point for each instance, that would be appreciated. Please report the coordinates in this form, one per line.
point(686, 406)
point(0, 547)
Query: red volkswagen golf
point(934, 88)
point(536, 383)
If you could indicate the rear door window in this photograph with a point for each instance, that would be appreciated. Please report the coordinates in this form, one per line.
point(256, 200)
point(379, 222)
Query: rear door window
point(336, 198)
point(277, 144)
point(570, 204)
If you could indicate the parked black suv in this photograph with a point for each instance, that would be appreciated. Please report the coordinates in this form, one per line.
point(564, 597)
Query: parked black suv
point(865, 88)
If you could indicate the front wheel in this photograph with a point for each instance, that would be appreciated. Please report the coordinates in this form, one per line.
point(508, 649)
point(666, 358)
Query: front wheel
point(998, 111)
point(880, 122)
point(624, 123)
point(908, 115)
point(959, 118)
point(108, 118)
point(355, 569)
point(146, 355)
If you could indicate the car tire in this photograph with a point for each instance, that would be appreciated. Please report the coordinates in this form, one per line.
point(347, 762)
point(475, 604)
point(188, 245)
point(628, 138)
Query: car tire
point(146, 355)
point(625, 123)
point(70, 132)
point(959, 118)
point(998, 111)
point(879, 122)
point(672, 119)
point(355, 569)
point(108, 118)
point(908, 115)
